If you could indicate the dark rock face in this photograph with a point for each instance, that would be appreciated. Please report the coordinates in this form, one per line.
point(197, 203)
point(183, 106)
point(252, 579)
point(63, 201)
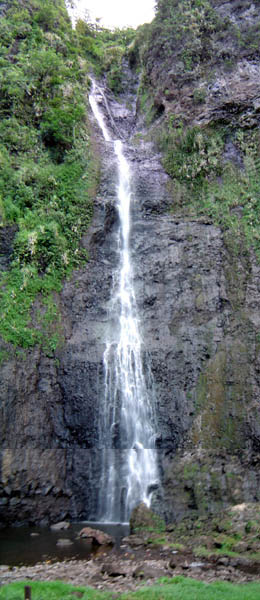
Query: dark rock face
point(198, 301)
point(220, 82)
point(6, 245)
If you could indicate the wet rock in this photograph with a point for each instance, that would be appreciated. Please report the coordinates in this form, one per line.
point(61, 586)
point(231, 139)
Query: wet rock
point(99, 537)
point(61, 525)
point(64, 542)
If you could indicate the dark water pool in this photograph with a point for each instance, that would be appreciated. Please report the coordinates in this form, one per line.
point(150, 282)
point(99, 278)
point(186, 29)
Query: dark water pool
point(19, 547)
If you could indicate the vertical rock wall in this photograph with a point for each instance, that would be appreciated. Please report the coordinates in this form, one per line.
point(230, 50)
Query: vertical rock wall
point(199, 316)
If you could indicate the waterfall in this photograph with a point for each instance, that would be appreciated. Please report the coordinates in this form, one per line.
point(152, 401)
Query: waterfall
point(127, 419)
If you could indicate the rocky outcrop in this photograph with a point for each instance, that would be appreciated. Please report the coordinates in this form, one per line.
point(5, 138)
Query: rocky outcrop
point(97, 537)
point(202, 62)
point(42, 486)
point(144, 519)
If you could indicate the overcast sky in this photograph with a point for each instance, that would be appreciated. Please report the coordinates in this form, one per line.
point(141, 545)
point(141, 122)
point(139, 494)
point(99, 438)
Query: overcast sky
point(117, 13)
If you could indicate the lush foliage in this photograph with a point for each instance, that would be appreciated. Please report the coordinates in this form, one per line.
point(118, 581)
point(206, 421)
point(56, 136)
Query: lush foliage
point(193, 31)
point(47, 170)
point(179, 588)
point(105, 50)
point(184, 30)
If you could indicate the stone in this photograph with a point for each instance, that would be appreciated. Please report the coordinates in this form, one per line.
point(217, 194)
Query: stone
point(245, 564)
point(134, 540)
point(173, 563)
point(240, 547)
point(114, 570)
point(143, 518)
point(64, 542)
point(99, 537)
point(223, 561)
point(196, 565)
point(146, 571)
point(61, 525)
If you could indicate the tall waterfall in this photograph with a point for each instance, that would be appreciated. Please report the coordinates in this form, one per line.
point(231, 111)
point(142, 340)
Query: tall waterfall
point(127, 420)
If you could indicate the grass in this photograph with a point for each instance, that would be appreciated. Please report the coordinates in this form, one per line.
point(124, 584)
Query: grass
point(178, 588)
point(51, 591)
point(181, 588)
point(203, 552)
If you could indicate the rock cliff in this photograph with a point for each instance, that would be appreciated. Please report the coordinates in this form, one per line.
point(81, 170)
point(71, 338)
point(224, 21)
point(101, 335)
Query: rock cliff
point(197, 287)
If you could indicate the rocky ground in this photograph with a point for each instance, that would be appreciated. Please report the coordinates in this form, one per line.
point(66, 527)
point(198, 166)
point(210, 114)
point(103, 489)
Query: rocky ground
point(128, 569)
point(225, 548)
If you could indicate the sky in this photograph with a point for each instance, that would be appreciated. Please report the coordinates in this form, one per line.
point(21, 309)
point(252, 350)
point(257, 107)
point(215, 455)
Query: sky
point(117, 13)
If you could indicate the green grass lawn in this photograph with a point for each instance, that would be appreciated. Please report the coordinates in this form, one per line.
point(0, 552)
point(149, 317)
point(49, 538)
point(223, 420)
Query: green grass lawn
point(178, 588)
point(51, 591)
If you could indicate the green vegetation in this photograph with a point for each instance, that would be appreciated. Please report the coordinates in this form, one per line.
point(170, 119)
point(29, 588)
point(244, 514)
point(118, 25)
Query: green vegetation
point(185, 48)
point(48, 170)
point(206, 182)
point(181, 38)
point(179, 588)
point(231, 533)
point(105, 49)
point(188, 39)
point(155, 525)
point(222, 546)
point(51, 591)
point(160, 541)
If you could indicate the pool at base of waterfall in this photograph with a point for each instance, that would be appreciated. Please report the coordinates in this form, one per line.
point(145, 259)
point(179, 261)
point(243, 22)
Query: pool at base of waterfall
point(31, 545)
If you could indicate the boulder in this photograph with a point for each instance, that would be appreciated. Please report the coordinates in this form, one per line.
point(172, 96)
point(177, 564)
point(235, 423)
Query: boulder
point(64, 542)
point(134, 540)
point(60, 525)
point(114, 570)
point(148, 571)
point(144, 519)
point(98, 537)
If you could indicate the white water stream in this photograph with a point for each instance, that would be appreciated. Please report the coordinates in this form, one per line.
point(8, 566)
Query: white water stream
point(127, 423)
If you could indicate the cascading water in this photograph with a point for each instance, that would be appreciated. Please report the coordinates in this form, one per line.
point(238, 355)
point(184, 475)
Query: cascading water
point(127, 421)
